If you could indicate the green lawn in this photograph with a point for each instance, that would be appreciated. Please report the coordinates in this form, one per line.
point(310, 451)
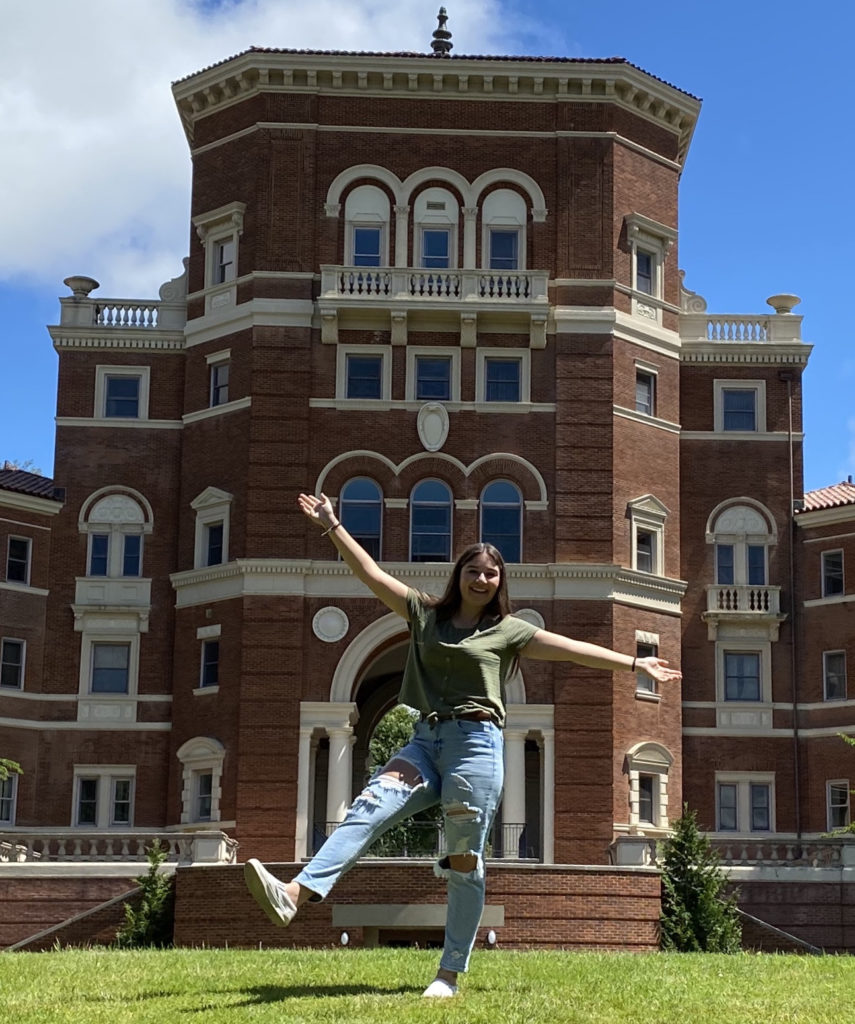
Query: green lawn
point(385, 985)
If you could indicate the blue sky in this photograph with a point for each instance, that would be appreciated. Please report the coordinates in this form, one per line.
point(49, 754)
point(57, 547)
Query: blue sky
point(95, 171)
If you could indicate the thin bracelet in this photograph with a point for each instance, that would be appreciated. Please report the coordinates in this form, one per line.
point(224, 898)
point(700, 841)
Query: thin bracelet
point(632, 666)
point(330, 530)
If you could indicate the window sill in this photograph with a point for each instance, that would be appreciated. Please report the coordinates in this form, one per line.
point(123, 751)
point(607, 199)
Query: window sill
point(200, 690)
point(648, 696)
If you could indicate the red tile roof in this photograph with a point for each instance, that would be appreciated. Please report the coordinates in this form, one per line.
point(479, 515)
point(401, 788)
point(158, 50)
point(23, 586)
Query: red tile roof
point(22, 482)
point(830, 497)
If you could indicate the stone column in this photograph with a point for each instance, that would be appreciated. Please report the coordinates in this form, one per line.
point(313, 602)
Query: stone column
point(548, 796)
point(513, 801)
point(340, 771)
point(402, 236)
point(470, 225)
point(304, 787)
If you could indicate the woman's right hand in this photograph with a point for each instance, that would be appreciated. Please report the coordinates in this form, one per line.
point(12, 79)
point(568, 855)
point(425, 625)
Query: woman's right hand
point(318, 510)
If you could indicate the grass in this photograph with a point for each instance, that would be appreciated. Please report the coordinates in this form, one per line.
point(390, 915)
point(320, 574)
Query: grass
point(385, 986)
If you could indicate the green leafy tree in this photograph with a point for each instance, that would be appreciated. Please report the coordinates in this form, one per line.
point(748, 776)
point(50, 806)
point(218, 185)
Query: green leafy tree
point(415, 837)
point(850, 828)
point(8, 768)
point(150, 922)
point(697, 915)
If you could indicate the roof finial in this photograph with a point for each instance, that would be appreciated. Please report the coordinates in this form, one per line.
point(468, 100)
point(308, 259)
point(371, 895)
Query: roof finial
point(442, 43)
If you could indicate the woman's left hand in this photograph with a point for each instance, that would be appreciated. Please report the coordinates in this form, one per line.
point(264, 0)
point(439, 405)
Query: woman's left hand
point(658, 669)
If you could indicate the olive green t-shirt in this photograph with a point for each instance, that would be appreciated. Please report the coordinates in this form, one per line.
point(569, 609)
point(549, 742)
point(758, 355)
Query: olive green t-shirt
point(459, 670)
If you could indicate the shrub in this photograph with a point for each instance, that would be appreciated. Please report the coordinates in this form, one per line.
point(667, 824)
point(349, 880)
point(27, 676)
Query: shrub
point(150, 922)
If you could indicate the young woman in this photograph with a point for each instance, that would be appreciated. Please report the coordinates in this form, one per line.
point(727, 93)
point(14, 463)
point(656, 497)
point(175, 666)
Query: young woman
point(463, 646)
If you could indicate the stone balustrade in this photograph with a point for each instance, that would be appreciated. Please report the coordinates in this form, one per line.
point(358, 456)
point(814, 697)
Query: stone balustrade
point(736, 328)
point(418, 284)
point(744, 600)
point(78, 846)
point(831, 852)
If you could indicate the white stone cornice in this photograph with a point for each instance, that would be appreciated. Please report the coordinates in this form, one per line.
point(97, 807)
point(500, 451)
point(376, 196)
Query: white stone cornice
point(826, 516)
point(333, 580)
point(116, 423)
point(89, 725)
point(23, 588)
point(764, 353)
point(651, 421)
point(739, 435)
point(120, 338)
point(29, 503)
point(256, 313)
point(217, 410)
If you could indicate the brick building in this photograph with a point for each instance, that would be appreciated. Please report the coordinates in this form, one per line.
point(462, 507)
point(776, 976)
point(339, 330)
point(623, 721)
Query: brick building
point(445, 291)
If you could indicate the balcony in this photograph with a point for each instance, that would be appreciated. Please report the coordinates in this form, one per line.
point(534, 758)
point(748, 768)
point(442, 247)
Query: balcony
point(78, 846)
point(404, 292)
point(743, 604)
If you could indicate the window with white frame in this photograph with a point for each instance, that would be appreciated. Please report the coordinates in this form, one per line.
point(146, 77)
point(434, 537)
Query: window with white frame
point(109, 662)
point(837, 803)
point(213, 512)
point(832, 574)
point(433, 374)
point(430, 522)
point(8, 796)
point(364, 372)
point(18, 554)
point(122, 392)
point(103, 796)
point(745, 802)
point(361, 513)
point(435, 215)
point(12, 659)
point(502, 375)
point(115, 522)
point(834, 675)
point(742, 535)
point(219, 371)
point(646, 646)
point(366, 214)
point(647, 517)
point(202, 769)
point(111, 668)
point(744, 671)
point(645, 390)
point(501, 509)
point(649, 243)
point(210, 672)
point(219, 232)
point(503, 242)
point(648, 766)
point(739, 406)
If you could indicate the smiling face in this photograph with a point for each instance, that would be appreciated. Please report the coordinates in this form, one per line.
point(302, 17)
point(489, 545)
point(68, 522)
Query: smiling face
point(480, 579)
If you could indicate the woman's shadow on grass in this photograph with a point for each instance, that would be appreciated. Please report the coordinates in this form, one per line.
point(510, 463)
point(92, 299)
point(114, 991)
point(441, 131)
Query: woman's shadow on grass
point(279, 993)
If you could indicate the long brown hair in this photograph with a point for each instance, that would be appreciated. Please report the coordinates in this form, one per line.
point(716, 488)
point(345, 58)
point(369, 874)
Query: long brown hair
point(449, 602)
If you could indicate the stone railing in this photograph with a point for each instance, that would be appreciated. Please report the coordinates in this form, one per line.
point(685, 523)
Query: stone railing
point(744, 600)
point(736, 328)
point(374, 284)
point(167, 313)
point(77, 846)
point(832, 852)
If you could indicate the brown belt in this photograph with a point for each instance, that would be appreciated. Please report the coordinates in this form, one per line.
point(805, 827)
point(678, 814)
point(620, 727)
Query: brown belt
point(451, 716)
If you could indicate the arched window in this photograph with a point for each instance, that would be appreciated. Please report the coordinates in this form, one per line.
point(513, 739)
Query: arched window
point(360, 509)
point(742, 535)
point(435, 213)
point(115, 523)
point(366, 212)
point(501, 519)
point(503, 216)
point(430, 522)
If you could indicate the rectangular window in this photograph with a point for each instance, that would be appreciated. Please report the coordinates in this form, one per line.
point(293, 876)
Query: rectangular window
point(645, 551)
point(366, 247)
point(744, 806)
point(504, 249)
point(121, 397)
point(756, 565)
point(120, 813)
point(219, 384)
point(834, 675)
point(724, 565)
point(204, 792)
point(832, 573)
point(433, 378)
point(110, 668)
point(210, 663)
point(8, 790)
point(644, 271)
point(436, 244)
point(87, 801)
point(99, 554)
point(838, 804)
point(739, 409)
point(742, 675)
point(645, 392)
point(761, 807)
point(12, 664)
point(728, 820)
point(644, 682)
point(214, 544)
point(224, 261)
point(132, 554)
point(18, 560)
point(364, 377)
point(501, 380)
point(646, 799)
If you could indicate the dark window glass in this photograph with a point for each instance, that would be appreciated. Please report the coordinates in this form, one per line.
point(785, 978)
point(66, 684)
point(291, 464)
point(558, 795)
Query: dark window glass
point(99, 553)
point(644, 271)
point(834, 675)
point(742, 676)
point(123, 397)
point(132, 554)
point(214, 547)
point(7, 799)
point(727, 807)
point(430, 529)
point(366, 247)
point(761, 809)
point(501, 519)
point(433, 378)
point(739, 409)
point(645, 393)
point(12, 664)
point(504, 247)
point(642, 680)
point(646, 791)
point(364, 377)
point(18, 561)
point(645, 551)
point(219, 384)
point(502, 382)
point(204, 791)
point(756, 565)
point(121, 802)
point(435, 247)
point(225, 268)
point(210, 663)
point(832, 573)
point(87, 801)
point(724, 564)
point(838, 805)
point(110, 668)
point(361, 513)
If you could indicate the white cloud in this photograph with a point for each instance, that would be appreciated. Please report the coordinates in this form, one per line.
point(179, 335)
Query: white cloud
point(95, 169)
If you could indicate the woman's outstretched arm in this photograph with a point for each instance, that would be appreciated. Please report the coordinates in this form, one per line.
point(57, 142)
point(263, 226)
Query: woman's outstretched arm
point(546, 646)
point(392, 592)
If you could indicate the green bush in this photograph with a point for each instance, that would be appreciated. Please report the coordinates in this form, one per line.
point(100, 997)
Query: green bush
point(697, 916)
point(150, 922)
point(8, 768)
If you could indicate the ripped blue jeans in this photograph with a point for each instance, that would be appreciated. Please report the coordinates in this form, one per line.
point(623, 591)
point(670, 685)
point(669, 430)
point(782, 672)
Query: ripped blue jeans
point(461, 767)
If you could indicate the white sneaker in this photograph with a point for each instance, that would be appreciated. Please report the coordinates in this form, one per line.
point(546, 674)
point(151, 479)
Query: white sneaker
point(439, 989)
point(269, 893)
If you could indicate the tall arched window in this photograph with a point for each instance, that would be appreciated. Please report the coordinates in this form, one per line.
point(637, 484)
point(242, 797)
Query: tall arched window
point(430, 522)
point(742, 534)
point(366, 212)
point(115, 523)
point(503, 216)
point(361, 506)
point(435, 214)
point(501, 519)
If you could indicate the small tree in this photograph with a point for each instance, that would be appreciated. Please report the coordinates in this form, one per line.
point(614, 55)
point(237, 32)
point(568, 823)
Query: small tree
point(850, 828)
point(150, 923)
point(697, 916)
point(8, 768)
